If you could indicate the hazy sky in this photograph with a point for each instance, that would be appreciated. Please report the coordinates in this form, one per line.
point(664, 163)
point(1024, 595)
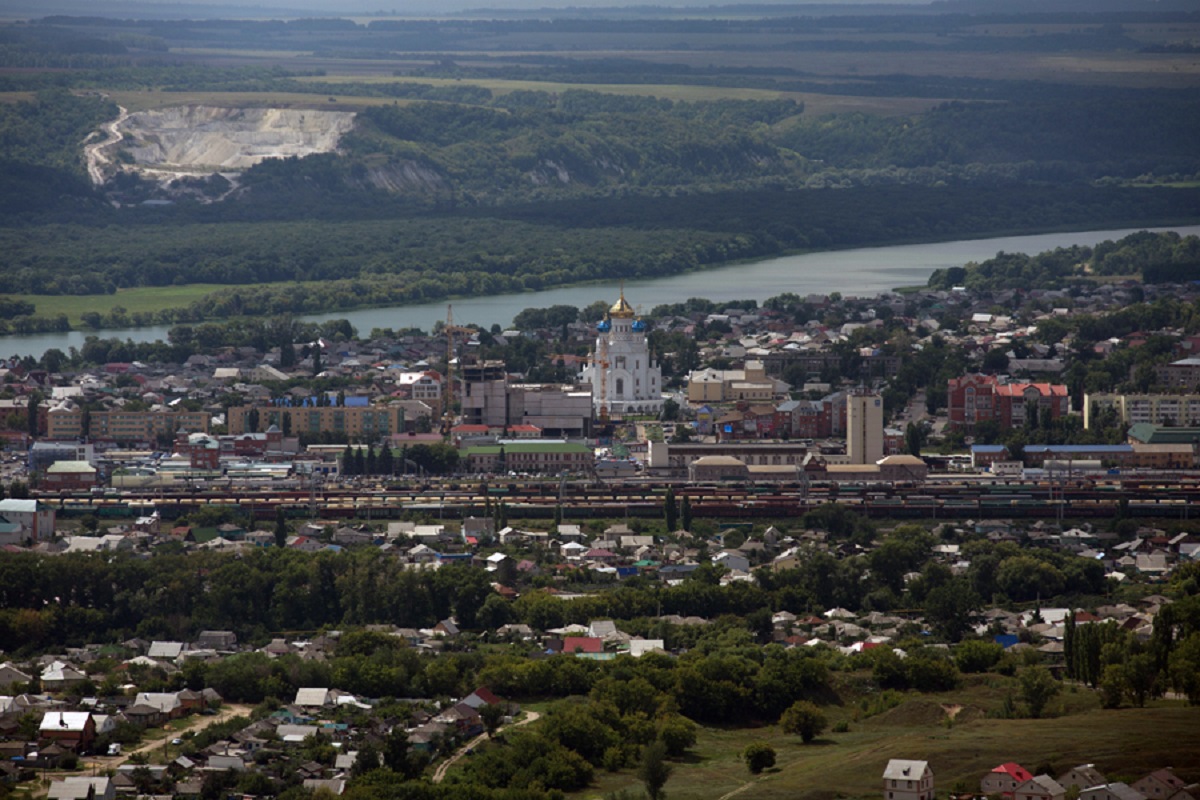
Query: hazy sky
point(348, 7)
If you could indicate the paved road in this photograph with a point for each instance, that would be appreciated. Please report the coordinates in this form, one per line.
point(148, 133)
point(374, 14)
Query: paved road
point(440, 773)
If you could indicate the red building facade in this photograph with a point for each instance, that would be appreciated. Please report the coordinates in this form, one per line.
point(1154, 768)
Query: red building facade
point(972, 399)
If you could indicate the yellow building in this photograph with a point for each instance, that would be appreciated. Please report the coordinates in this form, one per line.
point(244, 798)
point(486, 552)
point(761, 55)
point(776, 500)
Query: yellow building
point(750, 384)
point(367, 422)
point(64, 422)
point(1160, 409)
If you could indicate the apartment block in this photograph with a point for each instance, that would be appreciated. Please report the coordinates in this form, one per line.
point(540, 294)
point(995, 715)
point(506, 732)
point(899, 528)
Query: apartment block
point(68, 422)
point(1180, 410)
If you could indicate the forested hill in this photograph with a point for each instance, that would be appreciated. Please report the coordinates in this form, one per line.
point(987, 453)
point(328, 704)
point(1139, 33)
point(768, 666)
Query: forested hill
point(456, 146)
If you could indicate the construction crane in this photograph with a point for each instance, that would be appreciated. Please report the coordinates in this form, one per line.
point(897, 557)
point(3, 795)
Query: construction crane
point(601, 361)
point(448, 393)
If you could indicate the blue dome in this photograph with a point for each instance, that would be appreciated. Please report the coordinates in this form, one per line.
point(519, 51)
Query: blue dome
point(604, 326)
point(638, 325)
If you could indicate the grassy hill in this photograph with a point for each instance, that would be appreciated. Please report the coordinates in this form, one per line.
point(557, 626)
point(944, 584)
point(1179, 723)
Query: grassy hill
point(1124, 744)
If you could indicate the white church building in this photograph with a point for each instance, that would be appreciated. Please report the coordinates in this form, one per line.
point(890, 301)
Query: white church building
point(624, 378)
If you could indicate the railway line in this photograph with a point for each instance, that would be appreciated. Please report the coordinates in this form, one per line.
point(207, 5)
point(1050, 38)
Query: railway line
point(531, 498)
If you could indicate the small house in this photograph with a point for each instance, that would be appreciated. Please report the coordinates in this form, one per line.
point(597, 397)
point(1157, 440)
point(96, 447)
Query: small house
point(907, 780)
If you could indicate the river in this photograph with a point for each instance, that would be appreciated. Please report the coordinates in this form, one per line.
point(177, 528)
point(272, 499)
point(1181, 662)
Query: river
point(864, 271)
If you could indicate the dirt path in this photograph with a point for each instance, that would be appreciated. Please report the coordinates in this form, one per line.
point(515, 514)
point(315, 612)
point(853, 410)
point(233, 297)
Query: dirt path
point(440, 773)
point(97, 159)
point(93, 765)
point(738, 790)
point(197, 723)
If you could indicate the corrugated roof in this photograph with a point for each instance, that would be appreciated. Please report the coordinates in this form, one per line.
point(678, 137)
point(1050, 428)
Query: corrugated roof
point(528, 447)
point(1078, 448)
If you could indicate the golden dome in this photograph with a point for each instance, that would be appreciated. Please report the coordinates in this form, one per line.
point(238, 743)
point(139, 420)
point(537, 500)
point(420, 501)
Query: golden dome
point(621, 309)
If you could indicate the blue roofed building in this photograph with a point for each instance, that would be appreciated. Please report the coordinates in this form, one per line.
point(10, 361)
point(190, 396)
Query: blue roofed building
point(984, 455)
point(1036, 455)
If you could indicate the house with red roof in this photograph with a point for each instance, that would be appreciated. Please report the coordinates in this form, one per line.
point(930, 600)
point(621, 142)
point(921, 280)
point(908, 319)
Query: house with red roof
point(582, 645)
point(601, 555)
point(524, 432)
point(1004, 779)
point(482, 696)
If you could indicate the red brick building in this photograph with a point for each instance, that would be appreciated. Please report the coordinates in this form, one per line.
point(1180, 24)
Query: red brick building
point(972, 399)
point(812, 419)
point(74, 730)
point(69, 476)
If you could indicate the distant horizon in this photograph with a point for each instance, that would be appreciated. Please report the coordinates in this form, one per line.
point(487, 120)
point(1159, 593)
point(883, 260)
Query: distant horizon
point(371, 8)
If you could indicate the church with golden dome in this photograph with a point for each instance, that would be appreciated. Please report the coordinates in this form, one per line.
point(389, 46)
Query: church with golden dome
point(624, 377)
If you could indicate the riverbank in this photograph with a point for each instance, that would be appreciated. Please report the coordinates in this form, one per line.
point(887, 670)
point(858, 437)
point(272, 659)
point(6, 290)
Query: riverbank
point(856, 271)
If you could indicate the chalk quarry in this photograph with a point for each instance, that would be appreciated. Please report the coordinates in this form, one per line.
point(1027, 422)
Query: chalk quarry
point(196, 141)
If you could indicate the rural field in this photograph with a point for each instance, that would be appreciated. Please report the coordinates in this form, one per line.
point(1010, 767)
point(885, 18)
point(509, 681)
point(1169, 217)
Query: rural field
point(814, 104)
point(141, 299)
point(1125, 744)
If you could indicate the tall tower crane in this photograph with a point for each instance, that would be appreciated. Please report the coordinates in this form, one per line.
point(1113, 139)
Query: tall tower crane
point(448, 392)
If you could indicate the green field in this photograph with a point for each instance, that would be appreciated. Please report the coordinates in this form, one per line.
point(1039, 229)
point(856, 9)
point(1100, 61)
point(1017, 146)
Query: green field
point(1124, 744)
point(149, 101)
point(814, 103)
point(148, 299)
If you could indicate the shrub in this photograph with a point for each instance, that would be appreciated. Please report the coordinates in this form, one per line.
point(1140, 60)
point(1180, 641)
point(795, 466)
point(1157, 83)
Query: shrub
point(803, 719)
point(759, 756)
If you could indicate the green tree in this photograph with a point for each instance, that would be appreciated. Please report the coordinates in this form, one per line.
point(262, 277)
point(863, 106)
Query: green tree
point(685, 513)
point(803, 719)
point(670, 509)
point(1112, 686)
point(31, 410)
point(951, 608)
point(1184, 668)
point(367, 760)
point(654, 771)
point(395, 751)
point(677, 733)
point(492, 715)
point(1141, 677)
point(1038, 687)
point(914, 438)
point(977, 655)
point(758, 756)
point(494, 613)
point(281, 528)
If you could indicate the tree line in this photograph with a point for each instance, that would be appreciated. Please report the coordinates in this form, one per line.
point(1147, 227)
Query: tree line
point(70, 598)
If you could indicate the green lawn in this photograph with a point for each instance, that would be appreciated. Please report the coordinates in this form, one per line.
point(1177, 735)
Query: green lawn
point(1124, 744)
